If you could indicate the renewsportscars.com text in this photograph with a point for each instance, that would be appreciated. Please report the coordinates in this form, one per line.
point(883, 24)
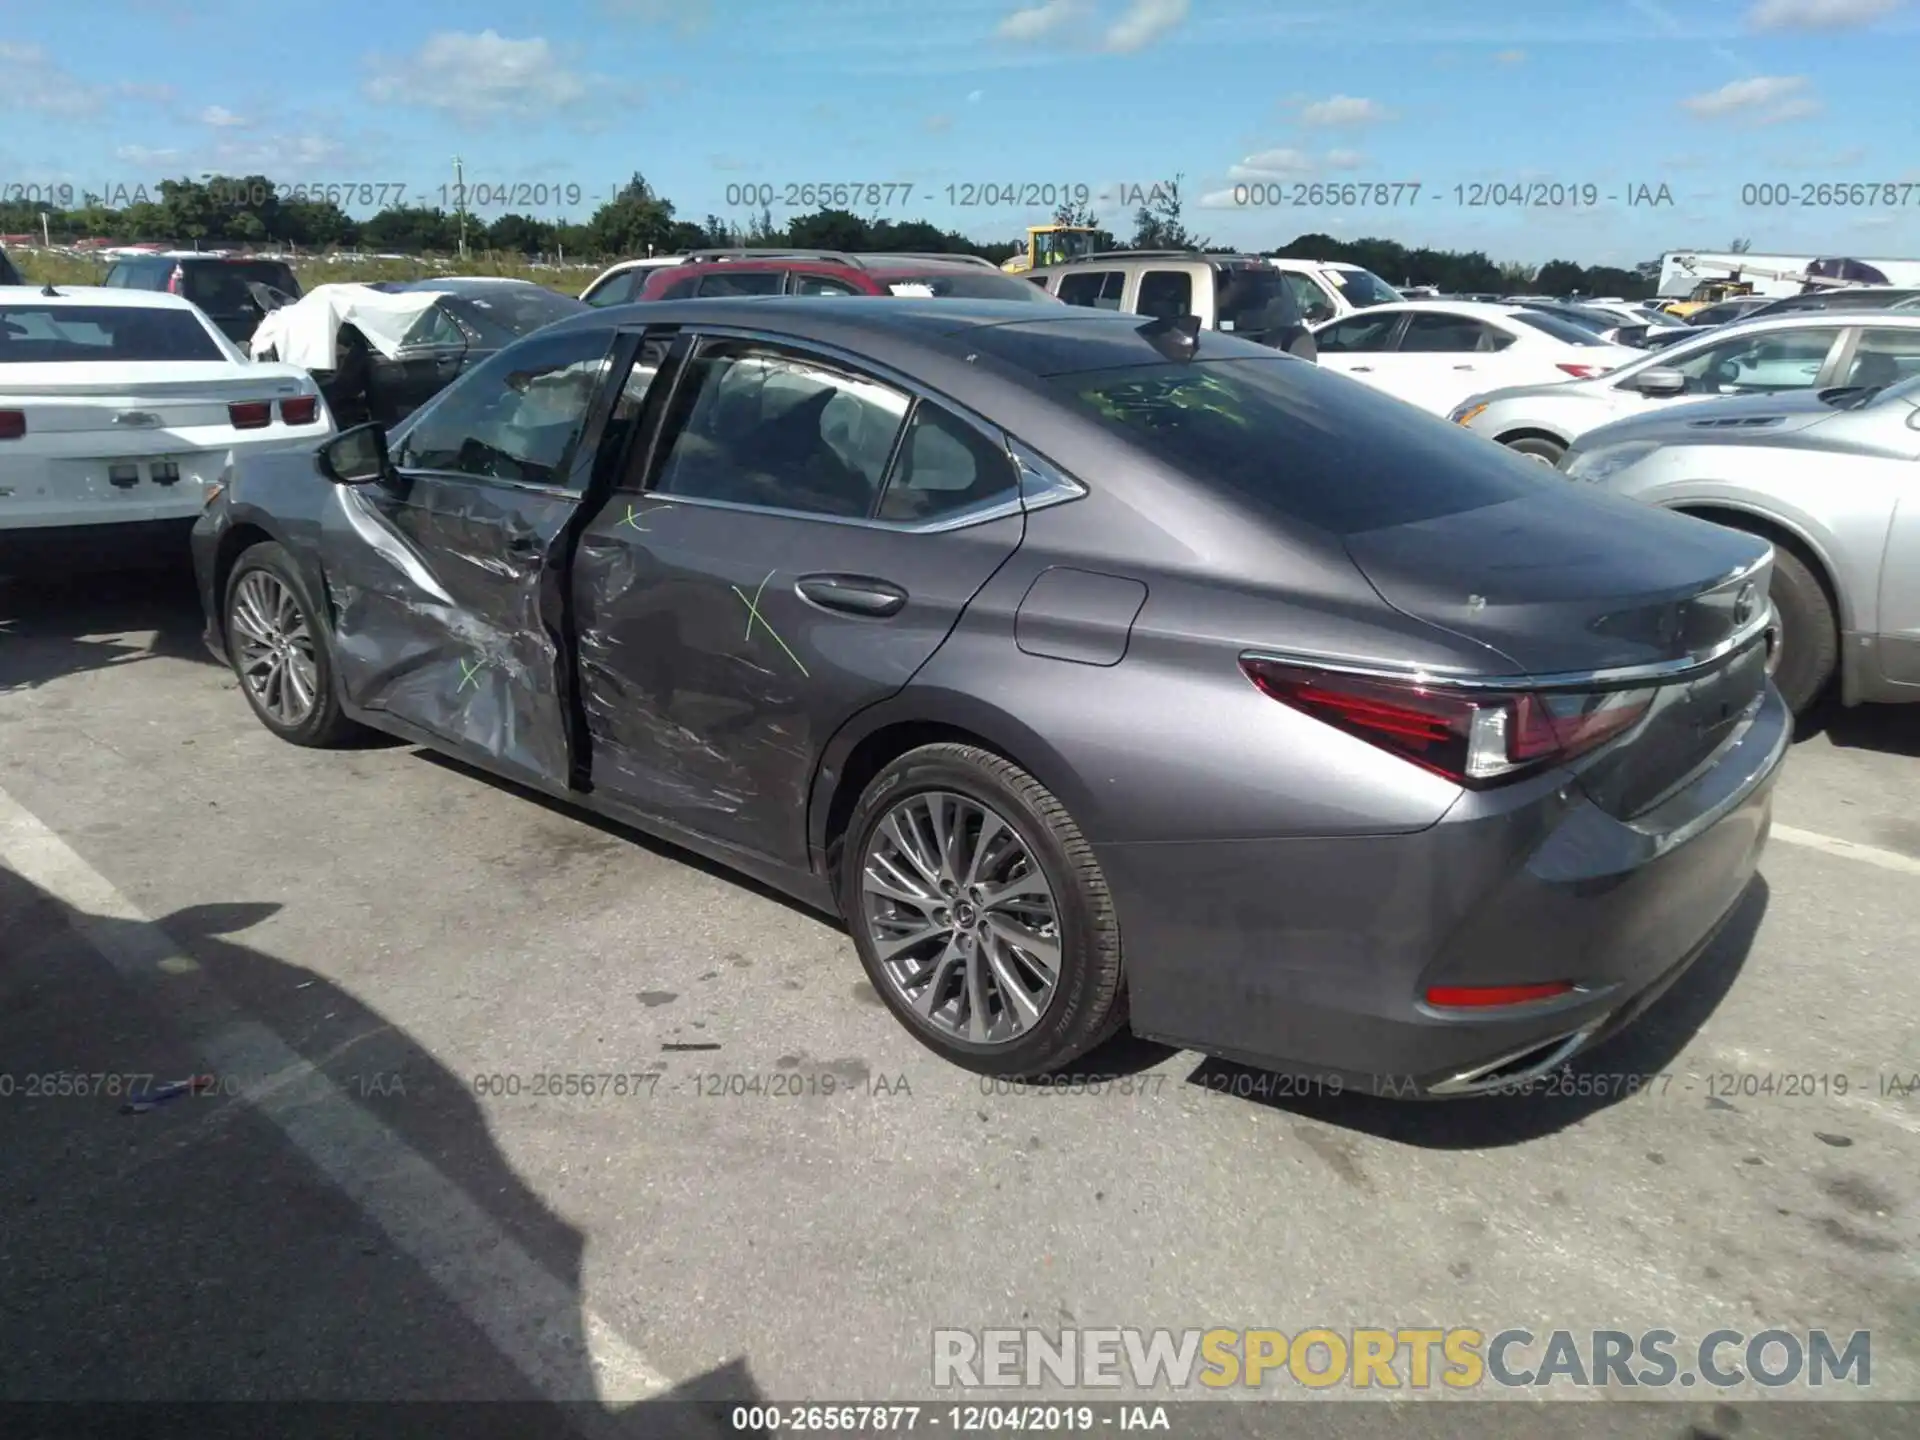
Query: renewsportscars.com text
point(1395, 1358)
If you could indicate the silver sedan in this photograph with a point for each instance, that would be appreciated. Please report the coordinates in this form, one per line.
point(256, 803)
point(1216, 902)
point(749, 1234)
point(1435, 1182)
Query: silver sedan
point(1758, 357)
point(1829, 477)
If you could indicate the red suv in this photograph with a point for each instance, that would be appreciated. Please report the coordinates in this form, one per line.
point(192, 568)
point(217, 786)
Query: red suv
point(834, 272)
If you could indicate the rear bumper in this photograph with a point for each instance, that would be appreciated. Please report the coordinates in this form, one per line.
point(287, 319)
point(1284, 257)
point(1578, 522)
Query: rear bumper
point(44, 550)
point(1312, 956)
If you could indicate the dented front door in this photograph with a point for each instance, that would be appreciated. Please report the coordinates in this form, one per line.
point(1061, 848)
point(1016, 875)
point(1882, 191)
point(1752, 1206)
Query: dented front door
point(444, 582)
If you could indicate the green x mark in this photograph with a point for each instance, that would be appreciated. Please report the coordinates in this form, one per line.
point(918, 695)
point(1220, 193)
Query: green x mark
point(753, 614)
point(633, 520)
point(468, 673)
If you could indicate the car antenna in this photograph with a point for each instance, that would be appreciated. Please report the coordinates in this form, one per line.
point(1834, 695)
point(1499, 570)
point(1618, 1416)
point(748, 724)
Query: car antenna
point(48, 289)
point(1177, 337)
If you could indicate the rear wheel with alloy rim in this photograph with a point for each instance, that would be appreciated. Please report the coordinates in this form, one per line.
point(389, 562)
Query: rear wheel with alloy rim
point(980, 912)
point(279, 650)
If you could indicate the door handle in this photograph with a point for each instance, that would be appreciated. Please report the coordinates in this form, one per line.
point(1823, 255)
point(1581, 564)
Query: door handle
point(1463, 367)
point(1361, 370)
point(852, 594)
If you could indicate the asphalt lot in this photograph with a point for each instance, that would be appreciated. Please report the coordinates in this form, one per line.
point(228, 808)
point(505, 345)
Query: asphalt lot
point(351, 939)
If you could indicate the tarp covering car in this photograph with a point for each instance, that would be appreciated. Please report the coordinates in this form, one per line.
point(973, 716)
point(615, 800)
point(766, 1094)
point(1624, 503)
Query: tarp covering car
point(306, 332)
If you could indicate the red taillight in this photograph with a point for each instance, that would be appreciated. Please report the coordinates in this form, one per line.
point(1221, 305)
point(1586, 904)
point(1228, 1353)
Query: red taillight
point(250, 414)
point(300, 410)
point(1473, 738)
point(1582, 372)
point(1481, 997)
point(13, 424)
point(176, 280)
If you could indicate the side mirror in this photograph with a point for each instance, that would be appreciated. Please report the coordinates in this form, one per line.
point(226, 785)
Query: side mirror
point(1658, 382)
point(355, 457)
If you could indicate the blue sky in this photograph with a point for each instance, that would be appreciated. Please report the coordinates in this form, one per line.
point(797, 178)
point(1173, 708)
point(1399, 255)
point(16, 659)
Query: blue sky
point(1701, 96)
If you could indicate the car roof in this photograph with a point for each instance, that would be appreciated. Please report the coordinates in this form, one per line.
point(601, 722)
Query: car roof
point(1471, 309)
point(95, 295)
point(462, 284)
point(1795, 319)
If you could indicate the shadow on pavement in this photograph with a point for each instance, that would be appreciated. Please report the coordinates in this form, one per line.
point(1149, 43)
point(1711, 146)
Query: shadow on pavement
point(1632, 1062)
point(72, 624)
point(1890, 729)
point(192, 1252)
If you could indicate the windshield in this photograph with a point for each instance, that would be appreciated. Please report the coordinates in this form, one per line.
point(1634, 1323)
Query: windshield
point(1563, 330)
point(514, 309)
point(36, 334)
point(1363, 288)
point(1271, 430)
point(1253, 300)
point(968, 284)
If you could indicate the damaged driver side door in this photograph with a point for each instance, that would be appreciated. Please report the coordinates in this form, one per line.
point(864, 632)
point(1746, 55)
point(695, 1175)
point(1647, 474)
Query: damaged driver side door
point(444, 579)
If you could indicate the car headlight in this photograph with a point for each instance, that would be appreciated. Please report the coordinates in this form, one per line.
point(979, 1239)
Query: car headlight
point(1595, 466)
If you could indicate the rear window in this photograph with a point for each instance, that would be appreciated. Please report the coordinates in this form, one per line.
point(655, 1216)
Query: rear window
point(1301, 443)
point(968, 284)
point(36, 334)
point(1559, 329)
point(1253, 299)
point(221, 288)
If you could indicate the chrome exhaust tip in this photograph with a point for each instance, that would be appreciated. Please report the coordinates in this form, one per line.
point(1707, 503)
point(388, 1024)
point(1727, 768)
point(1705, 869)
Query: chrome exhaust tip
point(1518, 1067)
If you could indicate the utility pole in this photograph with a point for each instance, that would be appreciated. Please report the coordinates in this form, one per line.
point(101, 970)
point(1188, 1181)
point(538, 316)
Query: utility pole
point(460, 198)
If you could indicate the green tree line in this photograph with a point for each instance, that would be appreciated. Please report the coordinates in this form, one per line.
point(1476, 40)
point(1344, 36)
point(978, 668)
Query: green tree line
point(248, 210)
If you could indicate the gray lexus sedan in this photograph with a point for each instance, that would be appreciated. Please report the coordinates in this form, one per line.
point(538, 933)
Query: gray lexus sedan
point(1095, 672)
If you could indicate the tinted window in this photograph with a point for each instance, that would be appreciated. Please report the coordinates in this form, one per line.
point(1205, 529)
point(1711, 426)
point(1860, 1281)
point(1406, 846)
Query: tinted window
point(434, 327)
point(945, 466)
point(971, 283)
point(1765, 363)
point(1165, 294)
point(1252, 299)
point(1300, 442)
point(517, 417)
point(821, 285)
point(1363, 288)
point(616, 291)
point(34, 333)
point(1451, 334)
point(1311, 299)
point(1360, 334)
point(681, 289)
point(743, 282)
point(1884, 357)
point(222, 287)
point(776, 428)
point(1564, 331)
point(1094, 289)
point(513, 310)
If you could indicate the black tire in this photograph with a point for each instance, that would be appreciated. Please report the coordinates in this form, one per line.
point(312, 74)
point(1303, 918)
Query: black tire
point(326, 725)
point(1089, 1002)
point(1538, 447)
point(1809, 635)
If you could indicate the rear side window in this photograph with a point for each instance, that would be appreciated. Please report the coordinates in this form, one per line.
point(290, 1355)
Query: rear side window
point(1094, 289)
point(1452, 334)
point(1165, 294)
point(1253, 298)
point(743, 282)
point(1885, 357)
point(1300, 443)
point(1362, 334)
point(615, 291)
point(945, 467)
point(32, 334)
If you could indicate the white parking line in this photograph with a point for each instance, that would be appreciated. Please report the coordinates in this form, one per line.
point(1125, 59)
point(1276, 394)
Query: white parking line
point(1848, 849)
point(535, 1319)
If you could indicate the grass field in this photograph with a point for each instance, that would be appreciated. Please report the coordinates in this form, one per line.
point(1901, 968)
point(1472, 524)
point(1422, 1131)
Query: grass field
point(42, 267)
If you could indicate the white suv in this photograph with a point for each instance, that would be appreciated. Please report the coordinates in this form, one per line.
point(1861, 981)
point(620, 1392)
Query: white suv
point(1328, 289)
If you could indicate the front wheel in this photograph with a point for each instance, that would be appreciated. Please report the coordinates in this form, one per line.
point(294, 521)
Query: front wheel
point(1538, 447)
point(279, 649)
point(1804, 647)
point(981, 914)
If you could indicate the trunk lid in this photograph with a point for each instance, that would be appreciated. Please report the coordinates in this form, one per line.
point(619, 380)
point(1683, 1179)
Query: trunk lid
point(1563, 582)
point(111, 397)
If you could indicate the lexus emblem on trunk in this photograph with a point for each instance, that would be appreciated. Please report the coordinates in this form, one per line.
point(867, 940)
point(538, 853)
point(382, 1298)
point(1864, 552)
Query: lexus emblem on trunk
point(139, 419)
point(1746, 604)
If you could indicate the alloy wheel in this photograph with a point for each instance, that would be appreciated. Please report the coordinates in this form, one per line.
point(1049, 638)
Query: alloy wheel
point(1776, 642)
point(275, 648)
point(961, 918)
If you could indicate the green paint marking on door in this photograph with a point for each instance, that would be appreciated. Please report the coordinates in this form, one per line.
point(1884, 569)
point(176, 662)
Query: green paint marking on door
point(467, 674)
point(754, 615)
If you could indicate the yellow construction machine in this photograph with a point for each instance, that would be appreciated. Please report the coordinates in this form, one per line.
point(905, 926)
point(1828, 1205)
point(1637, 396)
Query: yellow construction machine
point(1053, 245)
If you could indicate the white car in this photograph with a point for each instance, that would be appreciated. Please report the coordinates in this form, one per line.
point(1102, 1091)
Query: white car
point(618, 284)
point(1328, 289)
point(120, 411)
point(1434, 354)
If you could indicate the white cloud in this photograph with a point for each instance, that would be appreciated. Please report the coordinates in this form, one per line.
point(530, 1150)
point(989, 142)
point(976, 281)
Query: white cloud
point(289, 158)
point(1819, 14)
point(1145, 22)
point(1747, 98)
point(29, 80)
point(938, 124)
point(1343, 110)
point(1220, 200)
point(1793, 110)
point(1036, 22)
point(479, 76)
point(1273, 165)
point(221, 117)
